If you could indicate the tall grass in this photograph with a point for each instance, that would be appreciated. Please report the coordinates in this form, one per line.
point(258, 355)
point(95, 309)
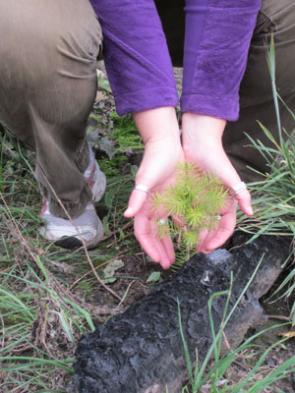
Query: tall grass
point(274, 195)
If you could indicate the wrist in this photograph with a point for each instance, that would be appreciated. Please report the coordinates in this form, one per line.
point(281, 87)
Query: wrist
point(156, 125)
point(202, 126)
point(201, 135)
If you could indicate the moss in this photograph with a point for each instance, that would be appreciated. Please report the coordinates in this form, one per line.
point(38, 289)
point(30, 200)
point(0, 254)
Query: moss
point(125, 134)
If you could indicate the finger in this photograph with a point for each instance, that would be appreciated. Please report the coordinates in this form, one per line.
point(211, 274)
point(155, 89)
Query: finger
point(168, 245)
point(230, 204)
point(202, 237)
point(152, 172)
point(179, 222)
point(244, 201)
point(225, 229)
point(160, 244)
point(230, 178)
point(143, 233)
point(136, 202)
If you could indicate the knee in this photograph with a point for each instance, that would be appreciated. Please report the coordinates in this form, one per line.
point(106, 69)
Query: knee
point(275, 18)
point(38, 33)
point(71, 45)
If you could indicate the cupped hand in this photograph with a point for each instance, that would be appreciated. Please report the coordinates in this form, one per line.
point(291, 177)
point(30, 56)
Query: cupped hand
point(202, 145)
point(163, 151)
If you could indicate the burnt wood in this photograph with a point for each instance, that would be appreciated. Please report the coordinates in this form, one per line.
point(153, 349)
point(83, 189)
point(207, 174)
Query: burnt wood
point(140, 351)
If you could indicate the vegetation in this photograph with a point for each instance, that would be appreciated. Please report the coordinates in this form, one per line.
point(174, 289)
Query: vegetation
point(274, 195)
point(214, 374)
point(49, 297)
point(195, 200)
point(274, 201)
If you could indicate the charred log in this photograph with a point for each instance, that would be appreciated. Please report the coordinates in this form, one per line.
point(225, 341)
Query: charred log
point(140, 351)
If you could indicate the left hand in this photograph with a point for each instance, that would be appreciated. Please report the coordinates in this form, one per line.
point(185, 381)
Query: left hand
point(202, 145)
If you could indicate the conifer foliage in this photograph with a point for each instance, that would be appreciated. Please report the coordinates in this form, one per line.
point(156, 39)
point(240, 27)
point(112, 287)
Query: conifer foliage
point(194, 202)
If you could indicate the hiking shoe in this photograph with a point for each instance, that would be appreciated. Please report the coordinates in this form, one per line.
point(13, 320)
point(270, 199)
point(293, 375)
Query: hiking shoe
point(95, 178)
point(86, 229)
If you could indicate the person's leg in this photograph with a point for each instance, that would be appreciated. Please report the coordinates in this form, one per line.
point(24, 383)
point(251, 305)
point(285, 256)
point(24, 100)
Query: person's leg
point(48, 56)
point(277, 18)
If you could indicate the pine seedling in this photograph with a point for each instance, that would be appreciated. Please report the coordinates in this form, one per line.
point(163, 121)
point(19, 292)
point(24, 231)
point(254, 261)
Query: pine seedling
point(195, 200)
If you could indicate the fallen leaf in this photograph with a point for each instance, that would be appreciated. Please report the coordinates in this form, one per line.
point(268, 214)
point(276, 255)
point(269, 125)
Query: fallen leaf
point(154, 277)
point(288, 334)
point(110, 270)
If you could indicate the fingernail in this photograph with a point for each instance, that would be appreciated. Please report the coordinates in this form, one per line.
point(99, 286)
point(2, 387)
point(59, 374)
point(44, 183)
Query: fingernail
point(207, 251)
point(128, 212)
point(250, 211)
point(165, 264)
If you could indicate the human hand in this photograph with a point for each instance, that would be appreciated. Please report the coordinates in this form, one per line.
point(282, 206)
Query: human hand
point(202, 145)
point(163, 151)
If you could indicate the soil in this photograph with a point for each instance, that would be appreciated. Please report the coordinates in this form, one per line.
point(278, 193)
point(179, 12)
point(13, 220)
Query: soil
point(131, 283)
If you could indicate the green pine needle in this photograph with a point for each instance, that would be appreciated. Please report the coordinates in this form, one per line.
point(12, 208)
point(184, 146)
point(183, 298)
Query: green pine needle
point(195, 199)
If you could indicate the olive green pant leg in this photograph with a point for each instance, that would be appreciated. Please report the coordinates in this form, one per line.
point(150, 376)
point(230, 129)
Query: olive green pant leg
point(47, 89)
point(256, 98)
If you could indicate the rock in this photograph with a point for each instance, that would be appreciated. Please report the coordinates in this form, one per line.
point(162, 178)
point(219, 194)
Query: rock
point(140, 351)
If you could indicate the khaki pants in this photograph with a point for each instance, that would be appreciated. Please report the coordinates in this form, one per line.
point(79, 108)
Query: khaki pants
point(48, 52)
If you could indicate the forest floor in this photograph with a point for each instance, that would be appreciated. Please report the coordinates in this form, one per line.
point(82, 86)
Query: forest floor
point(50, 297)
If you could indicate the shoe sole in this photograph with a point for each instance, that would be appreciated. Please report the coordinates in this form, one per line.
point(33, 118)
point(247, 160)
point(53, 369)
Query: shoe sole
point(72, 243)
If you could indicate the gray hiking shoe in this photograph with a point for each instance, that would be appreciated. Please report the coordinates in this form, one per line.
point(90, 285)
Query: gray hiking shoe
point(86, 229)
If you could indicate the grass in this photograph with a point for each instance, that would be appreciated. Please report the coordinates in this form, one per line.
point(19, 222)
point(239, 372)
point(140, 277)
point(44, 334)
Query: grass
point(46, 293)
point(49, 297)
point(254, 378)
point(274, 202)
point(213, 374)
point(274, 195)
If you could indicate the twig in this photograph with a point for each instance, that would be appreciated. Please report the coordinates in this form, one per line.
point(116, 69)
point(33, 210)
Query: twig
point(21, 238)
point(226, 342)
point(90, 271)
point(126, 293)
point(279, 317)
point(24, 242)
point(113, 293)
point(102, 310)
point(125, 226)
